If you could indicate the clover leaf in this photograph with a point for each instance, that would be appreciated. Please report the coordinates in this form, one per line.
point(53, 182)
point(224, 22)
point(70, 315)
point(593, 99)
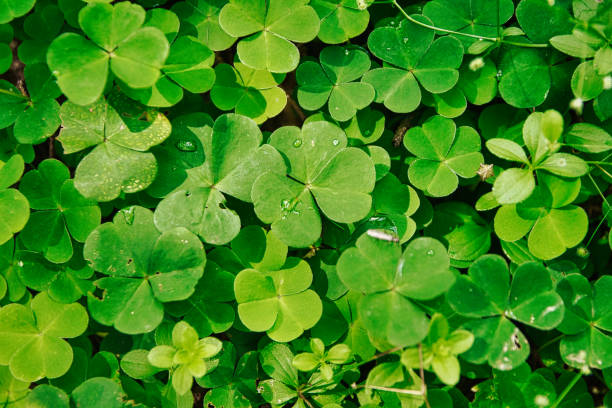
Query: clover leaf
point(10, 266)
point(249, 92)
point(552, 222)
point(135, 54)
point(201, 19)
point(188, 65)
point(475, 17)
point(270, 26)
point(186, 357)
point(121, 136)
point(392, 281)
point(587, 323)
point(341, 20)
point(65, 283)
point(277, 299)
point(443, 153)
point(14, 207)
point(487, 293)
point(63, 211)
point(324, 361)
point(11, 389)
point(234, 157)
point(331, 82)
point(324, 174)
point(144, 269)
point(440, 350)
point(31, 337)
point(36, 117)
point(11, 9)
point(531, 13)
point(525, 79)
point(414, 58)
point(207, 310)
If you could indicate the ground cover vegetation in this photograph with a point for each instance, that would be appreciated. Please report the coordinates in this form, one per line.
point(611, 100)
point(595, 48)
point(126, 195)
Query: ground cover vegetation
point(305, 203)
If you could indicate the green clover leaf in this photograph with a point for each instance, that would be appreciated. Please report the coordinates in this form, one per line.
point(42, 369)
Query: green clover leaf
point(207, 310)
point(9, 271)
point(248, 92)
point(63, 211)
point(341, 20)
point(145, 268)
point(200, 18)
point(414, 58)
point(525, 78)
point(270, 26)
point(439, 353)
point(117, 40)
point(331, 82)
point(324, 174)
point(277, 362)
point(531, 13)
point(14, 207)
point(443, 153)
point(235, 156)
point(278, 301)
point(31, 337)
point(391, 281)
point(65, 283)
point(98, 392)
point(122, 132)
point(486, 293)
point(11, 9)
point(11, 389)
point(187, 357)
point(475, 17)
point(36, 117)
point(553, 224)
point(188, 65)
point(587, 323)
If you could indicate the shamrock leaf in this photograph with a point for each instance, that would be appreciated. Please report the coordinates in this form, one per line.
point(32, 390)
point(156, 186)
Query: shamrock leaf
point(207, 309)
point(276, 361)
point(11, 389)
point(341, 20)
point(414, 58)
point(234, 159)
point(186, 357)
point(98, 392)
point(201, 19)
point(324, 361)
point(587, 323)
point(553, 224)
point(439, 353)
point(272, 293)
point(531, 13)
point(475, 17)
point(188, 65)
point(324, 174)
point(391, 281)
point(232, 382)
point(14, 207)
point(443, 153)
point(11, 9)
point(31, 337)
point(464, 232)
point(270, 27)
point(331, 82)
point(36, 117)
point(144, 267)
point(486, 293)
point(182, 150)
point(10, 265)
point(525, 78)
point(249, 92)
point(65, 283)
point(120, 161)
point(64, 212)
point(135, 54)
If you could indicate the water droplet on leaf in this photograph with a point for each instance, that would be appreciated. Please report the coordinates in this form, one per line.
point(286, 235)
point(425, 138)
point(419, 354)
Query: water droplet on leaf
point(297, 142)
point(186, 146)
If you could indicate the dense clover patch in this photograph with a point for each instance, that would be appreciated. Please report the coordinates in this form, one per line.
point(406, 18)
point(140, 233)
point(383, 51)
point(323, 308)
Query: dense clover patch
point(305, 203)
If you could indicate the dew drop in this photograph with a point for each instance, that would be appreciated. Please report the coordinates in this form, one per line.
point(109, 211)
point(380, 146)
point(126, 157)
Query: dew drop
point(186, 146)
point(297, 142)
point(562, 163)
point(128, 215)
point(430, 252)
point(335, 142)
point(346, 52)
point(405, 40)
point(499, 74)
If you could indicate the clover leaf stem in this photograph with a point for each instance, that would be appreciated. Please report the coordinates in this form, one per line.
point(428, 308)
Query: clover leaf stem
point(479, 37)
point(567, 389)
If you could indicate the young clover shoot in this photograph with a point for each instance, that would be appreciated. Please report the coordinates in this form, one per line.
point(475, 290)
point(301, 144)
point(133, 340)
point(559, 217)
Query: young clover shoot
point(187, 357)
point(322, 360)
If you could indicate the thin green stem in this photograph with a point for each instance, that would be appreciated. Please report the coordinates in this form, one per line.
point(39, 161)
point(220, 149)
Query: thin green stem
point(567, 390)
point(604, 216)
point(478, 37)
point(551, 341)
point(7, 92)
